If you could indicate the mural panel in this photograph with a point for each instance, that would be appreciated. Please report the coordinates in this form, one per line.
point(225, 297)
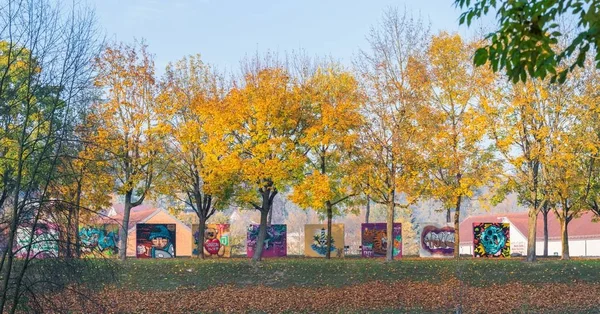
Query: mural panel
point(155, 240)
point(44, 241)
point(315, 240)
point(275, 244)
point(491, 239)
point(374, 239)
point(437, 241)
point(216, 240)
point(99, 241)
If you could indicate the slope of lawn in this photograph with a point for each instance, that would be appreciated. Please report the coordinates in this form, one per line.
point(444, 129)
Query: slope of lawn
point(350, 285)
point(310, 272)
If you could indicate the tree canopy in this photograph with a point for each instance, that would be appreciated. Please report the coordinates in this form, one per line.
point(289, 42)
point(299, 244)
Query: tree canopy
point(526, 41)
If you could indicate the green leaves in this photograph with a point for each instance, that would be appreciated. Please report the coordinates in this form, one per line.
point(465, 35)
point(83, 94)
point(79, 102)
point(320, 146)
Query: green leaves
point(526, 44)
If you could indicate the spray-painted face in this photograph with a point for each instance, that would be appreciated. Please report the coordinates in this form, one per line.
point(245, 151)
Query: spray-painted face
point(493, 239)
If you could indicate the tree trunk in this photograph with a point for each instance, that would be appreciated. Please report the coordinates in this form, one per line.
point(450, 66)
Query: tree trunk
point(457, 227)
point(532, 234)
point(200, 239)
point(6, 269)
point(69, 232)
point(262, 235)
point(545, 213)
point(125, 227)
point(270, 217)
point(368, 211)
point(329, 219)
point(564, 223)
point(77, 209)
point(389, 254)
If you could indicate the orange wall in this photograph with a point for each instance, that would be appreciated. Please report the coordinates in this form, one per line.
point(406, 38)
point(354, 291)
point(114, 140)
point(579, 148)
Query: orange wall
point(183, 235)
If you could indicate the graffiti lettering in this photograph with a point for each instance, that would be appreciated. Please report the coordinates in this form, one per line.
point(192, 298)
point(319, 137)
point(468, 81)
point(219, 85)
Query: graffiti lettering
point(441, 240)
point(436, 241)
point(98, 240)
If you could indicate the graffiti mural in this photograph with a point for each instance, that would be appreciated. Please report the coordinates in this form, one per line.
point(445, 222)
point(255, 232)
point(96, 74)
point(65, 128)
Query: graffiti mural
point(99, 241)
point(44, 241)
point(437, 241)
point(315, 240)
point(491, 239)
point(275, 244)
point(155, 240)
point(216, 240)
point(374, 240)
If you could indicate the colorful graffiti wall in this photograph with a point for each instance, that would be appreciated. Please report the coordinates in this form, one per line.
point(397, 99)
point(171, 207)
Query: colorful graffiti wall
point(437, 241)
point(315, 240)
point(491, 239)
point(44, 241)
point(275, 244)
point(155, 240)
point(99, 241)
point(216, 240)
point(375, 242)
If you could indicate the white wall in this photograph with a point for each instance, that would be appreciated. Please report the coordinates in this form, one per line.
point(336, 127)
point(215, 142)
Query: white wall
point(518, 241)
point(576, 247)
point(466, 249)
point(593, 247)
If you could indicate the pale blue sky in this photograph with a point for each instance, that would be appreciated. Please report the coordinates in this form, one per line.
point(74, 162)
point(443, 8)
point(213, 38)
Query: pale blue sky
point(223, 32)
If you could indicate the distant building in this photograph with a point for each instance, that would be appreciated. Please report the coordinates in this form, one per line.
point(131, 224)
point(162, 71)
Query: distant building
point(584, 234)
point(148, 214)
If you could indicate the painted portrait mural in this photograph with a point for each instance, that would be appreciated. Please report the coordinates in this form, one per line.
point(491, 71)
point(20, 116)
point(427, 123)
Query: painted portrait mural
point(315, 240)
point(44, 241)
point(155, 240)
point(491, 239)
point(375, 242)
point(275, 244)
point(437, 241)
point(216, 240)
point(99, 240)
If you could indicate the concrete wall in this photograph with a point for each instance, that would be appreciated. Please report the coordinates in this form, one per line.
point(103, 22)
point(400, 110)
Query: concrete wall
point(183, 235)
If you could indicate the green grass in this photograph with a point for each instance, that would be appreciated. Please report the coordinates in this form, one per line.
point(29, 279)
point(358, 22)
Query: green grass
point(150, 274)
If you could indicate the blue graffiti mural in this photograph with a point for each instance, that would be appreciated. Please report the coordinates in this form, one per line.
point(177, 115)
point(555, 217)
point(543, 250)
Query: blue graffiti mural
point(98, 240)
point(493, 239)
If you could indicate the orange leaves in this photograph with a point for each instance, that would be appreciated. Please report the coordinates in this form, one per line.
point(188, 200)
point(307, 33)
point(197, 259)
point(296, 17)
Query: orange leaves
point(196, 140)
point(125, 124)
point(334, 100)
point(313, 191)
point(268, 122)
point(459, 161)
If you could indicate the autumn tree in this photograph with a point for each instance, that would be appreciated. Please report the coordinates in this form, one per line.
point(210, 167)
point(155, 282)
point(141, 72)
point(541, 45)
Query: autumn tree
point(459, 161)
point(81, 186)
point(270, 121)
point(572, 149)
point(330, 139)
point(566, 177)
point(390, 160)
point(588, 106)
point(127, 136)
point(197, 139)
point(517, 119)
point(46, 51)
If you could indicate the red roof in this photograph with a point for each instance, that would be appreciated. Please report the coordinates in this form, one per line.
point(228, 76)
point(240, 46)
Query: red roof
point(138, 214)
point(579, 228)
